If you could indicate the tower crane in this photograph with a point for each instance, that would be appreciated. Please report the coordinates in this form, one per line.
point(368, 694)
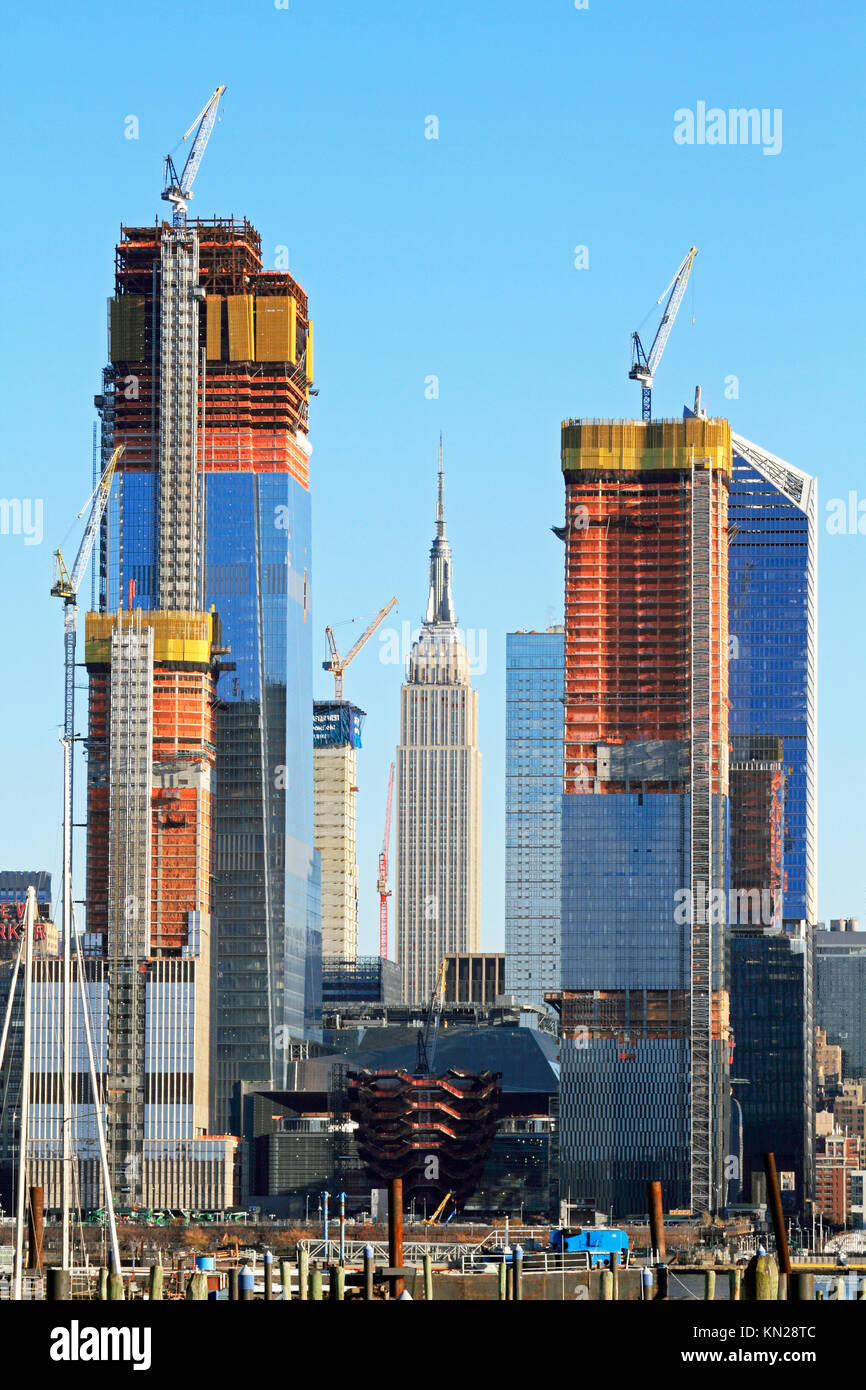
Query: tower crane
point(645, 365)
point(382, 880)
point(177, 188)
point(337, 663)
point(428, 1040)
point(66, 585)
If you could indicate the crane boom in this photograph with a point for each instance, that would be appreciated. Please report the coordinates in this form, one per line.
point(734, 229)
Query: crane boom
point(428, 1040)
point(67, 583)
point(644, 365)
point(178, 187)
point(337, 664)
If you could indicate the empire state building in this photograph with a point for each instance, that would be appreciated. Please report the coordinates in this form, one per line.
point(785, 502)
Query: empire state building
point(438, 878)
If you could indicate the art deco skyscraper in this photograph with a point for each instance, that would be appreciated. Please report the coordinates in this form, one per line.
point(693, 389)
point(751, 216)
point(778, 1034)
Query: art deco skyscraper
point(438, 878)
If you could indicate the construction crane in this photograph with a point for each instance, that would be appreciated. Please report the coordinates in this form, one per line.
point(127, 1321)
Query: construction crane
point(337, 663)
point(428, 1040)
point(67, 583)
point(382, 880)
point(431, 1220)
point(177, 188)
point(645, 365)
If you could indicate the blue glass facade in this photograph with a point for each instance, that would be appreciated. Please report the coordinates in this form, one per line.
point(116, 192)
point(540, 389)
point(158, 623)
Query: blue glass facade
point(533, 795)
point(771, 668)
point(619, 898)
point(773, 1028)
point(267, 903)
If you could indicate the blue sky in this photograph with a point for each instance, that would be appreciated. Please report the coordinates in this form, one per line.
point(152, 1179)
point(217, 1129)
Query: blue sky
point(451, 257)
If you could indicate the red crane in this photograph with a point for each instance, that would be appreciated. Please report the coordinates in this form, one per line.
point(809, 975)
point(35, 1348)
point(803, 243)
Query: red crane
point(382, 881)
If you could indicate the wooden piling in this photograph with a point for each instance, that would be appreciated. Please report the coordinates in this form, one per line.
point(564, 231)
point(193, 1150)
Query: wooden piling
point(656, 1219)
point(58, 1285)
point(428, 1279)
point(774, 1202)
point(316, 1284)
point(761, 1279)
point(369, 1266)
point(709, 1285)
point(103, 1284)
point(234, 1288)
point(734, 1279)
point(503, 1281)
point(662, 1291)
point(155, 1283)
point(269, 1276)
point(286, 1280)
point(115, 1288)
point(337, 1292)
point(35, 1224)
point(196, 1289)
point(303, 1273)
point(802, 1289)
point(395, 1232)
point(606, 1290)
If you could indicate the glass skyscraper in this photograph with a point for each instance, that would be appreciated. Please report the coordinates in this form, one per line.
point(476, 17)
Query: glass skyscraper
point(772, 559)
point(237, 540)
point(534, 687)
point(772, 569)
point(644, 812)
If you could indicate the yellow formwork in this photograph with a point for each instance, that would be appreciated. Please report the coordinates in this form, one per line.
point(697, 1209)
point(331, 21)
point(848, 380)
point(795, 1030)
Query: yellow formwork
point(310, 351)
point(274, 325)
point(177, 636)
point(240, 320)
point(214, 346)
point(641, 445)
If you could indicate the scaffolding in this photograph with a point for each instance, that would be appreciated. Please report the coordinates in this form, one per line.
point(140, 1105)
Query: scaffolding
point(178, 520)
point(129, 883)
point(708, 786)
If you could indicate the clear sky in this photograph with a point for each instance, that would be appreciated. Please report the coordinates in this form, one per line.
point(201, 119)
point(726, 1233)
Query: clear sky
point(451, 257)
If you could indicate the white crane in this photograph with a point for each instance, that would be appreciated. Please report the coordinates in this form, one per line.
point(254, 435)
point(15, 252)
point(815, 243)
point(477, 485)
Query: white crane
point(177, 188)
point(644, 365)
point(66, 585)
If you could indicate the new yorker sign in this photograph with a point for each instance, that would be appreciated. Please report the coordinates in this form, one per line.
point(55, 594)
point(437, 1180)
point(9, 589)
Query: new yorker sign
point(12, 923)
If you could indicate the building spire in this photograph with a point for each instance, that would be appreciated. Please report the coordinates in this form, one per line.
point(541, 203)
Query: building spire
point(440, 605)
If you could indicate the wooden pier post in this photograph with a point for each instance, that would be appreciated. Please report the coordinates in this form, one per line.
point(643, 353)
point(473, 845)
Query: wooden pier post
point(656, 1219)
point(155, 1283)
point(57, 1285)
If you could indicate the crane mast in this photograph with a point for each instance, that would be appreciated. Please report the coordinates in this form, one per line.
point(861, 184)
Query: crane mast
point(66, 585)
point(645, 365)
point(428, 1040)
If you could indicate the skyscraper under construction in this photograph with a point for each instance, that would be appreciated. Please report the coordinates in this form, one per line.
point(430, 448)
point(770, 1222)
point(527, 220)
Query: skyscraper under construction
point(644, 811)
point(202, 878)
